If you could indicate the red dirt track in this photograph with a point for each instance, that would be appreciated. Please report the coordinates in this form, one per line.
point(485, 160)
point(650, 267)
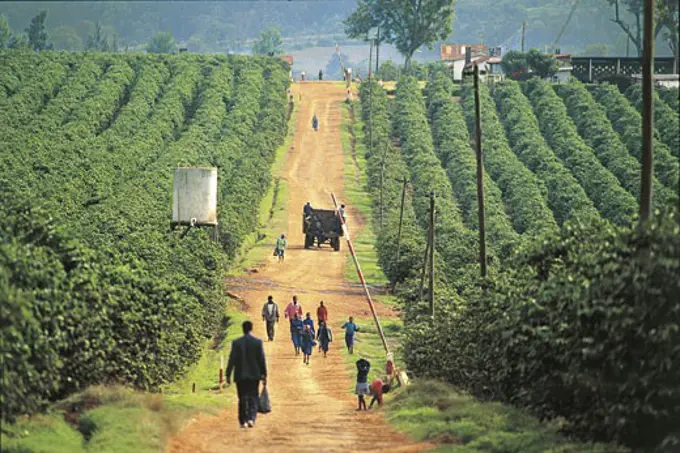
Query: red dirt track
point(313, 406)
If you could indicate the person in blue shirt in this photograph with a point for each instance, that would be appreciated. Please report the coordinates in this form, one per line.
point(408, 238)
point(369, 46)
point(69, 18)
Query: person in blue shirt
point(296, 327)
point(307, 343)
point(308, 321)
point(350, 330)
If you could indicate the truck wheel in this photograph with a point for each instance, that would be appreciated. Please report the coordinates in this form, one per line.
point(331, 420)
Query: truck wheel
point(336, 244)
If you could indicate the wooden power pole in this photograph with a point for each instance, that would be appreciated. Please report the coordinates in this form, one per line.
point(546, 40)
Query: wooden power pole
point(480, 176)
point(647, 112)
point(524, 33)
point(431, 259)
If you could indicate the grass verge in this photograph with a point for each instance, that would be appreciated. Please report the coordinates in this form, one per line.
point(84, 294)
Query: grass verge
point(273, 220)
point(354, 178)
point(438, 413)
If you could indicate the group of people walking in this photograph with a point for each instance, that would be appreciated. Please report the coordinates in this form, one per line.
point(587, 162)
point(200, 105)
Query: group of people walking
point(303, 331)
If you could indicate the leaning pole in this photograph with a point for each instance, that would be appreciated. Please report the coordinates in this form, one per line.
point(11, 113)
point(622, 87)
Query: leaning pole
point(361, 276)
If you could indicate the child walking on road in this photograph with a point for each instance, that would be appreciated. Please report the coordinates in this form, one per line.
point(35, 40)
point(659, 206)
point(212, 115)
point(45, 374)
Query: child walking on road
point(350, 330)
point(296, 328)
point(325, 336)
point(307, 337)
point(362, 389)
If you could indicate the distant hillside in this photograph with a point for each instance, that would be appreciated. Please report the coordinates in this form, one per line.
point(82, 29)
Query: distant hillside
point(229, 26)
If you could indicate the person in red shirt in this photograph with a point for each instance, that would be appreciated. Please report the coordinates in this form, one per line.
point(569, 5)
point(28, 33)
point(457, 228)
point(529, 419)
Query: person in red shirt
point(378, 388)
point(322, 313)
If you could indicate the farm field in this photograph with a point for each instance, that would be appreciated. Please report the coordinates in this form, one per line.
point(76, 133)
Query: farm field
point(100, 290)
point(562, 179)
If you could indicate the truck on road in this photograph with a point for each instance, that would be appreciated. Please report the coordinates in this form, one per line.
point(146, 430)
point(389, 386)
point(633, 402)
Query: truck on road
point(322, 226)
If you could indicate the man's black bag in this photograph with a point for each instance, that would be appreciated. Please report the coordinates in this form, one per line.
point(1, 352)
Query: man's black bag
point(264, 406)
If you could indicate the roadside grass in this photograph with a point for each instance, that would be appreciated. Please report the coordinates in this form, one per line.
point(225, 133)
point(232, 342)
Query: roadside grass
point(436, 412)
point(354, 175)
point(117, 419)
point(272, 215)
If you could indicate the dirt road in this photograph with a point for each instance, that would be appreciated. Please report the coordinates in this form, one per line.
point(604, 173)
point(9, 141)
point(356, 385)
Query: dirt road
point(313, 406)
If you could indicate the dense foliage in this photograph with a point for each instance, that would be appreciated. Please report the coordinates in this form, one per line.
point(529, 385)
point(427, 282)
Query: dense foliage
point(665, 118)
point(524, 195)
point(452, 144)
point(597, 132)
point(582, 326)
point(613, 202)
point(454, 242)
point(99, 290)
point(566, 197)
point(385, 166)
point(626, 121)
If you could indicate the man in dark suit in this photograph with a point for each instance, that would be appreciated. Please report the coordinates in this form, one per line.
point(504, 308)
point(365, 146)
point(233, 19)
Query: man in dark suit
point(247, 362)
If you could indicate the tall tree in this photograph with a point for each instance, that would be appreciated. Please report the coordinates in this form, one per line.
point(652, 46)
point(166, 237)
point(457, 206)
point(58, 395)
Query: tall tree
point(5, 32)
point(269, 42)
point(408, 24)
point(162, 42)
point(37, 36)
point(666, 12)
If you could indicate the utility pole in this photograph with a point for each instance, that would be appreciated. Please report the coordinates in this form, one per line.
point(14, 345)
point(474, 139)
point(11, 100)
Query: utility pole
point(401, 220)
point(480, 176)
point(422, 273)
point(647, 112)
point(382, 182)
point(377, 53)
point(370, 59)
point(431, 260)
point(524, 33)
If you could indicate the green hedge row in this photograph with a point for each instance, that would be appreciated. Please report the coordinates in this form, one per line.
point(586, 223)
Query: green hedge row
point(626, 121)
point(613, 202)
point(671, 96)
point(100, 291)
point(583, 327)
point(666, 121)
point(597, 132)
point(386, 160)
point(524, 195)
point(452, 145)
point(454, 242)
point(566, 198)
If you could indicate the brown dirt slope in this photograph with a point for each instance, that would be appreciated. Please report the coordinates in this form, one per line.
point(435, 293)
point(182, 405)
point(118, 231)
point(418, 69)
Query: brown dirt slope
point(313, 406)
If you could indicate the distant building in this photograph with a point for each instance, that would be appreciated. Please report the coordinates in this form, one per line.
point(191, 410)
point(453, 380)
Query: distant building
point(456, 56)
point(288, 59)
point(661, 80)
point(564, 70)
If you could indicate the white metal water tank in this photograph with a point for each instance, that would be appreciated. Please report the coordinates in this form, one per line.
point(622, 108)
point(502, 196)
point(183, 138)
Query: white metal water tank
point(194, 196)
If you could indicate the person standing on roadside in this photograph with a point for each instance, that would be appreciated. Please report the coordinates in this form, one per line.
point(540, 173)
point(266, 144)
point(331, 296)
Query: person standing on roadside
point(320, 74)
point(270, 315)
point(247, 362)
point(350, 330)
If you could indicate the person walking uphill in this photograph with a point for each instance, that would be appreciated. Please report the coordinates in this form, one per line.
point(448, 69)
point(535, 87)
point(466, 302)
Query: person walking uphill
point(270, 315)
point(350, 330)
point(247, 362)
